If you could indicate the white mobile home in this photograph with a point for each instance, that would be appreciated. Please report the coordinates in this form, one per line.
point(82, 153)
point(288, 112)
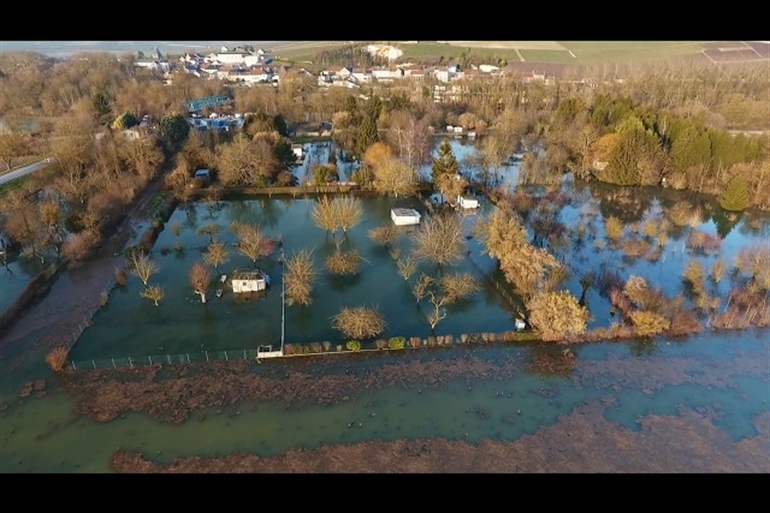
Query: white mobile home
point(249, 281)
point(467, 202)
point(405, 216)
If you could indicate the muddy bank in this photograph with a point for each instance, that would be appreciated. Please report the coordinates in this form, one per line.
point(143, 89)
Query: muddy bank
point(582, 441)
point(173, 393)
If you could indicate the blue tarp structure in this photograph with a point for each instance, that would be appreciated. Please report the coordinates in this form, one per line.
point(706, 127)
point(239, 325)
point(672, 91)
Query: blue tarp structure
point(209, 101)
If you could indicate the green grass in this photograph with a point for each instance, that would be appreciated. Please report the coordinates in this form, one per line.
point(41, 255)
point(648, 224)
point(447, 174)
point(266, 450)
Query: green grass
point(548, 56)
point(598, 51)
point(435, 50)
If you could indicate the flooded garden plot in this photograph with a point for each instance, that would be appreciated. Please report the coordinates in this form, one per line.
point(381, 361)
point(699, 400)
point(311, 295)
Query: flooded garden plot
point(15, 276)
point(130, 325)
point(603, 234)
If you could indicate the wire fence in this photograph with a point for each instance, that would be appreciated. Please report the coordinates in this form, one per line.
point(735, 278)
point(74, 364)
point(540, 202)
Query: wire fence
point(131, 362)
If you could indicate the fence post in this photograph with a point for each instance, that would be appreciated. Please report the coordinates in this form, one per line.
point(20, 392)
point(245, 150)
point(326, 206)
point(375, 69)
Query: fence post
point(169, 359)
point(113, 364)
point(94, 362)
point(188, 357)
point(244, 355)
point(150, 357)
point(130, 364)
point(226, 357)
point(207, 355)
point(73, 365)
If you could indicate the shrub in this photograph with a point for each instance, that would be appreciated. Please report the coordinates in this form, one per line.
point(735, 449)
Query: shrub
point(647, 324)
point(57, 358)
point(381, 343)
point(120, 277)
point(315, 347)
point(396, 343)
point(414, 342)
point(557, 314)
point(359, 322)
point(353, 345)
point(327, 346)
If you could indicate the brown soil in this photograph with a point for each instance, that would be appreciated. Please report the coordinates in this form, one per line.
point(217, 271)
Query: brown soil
point(582, 441)
point(106, 394)
point(172, 394)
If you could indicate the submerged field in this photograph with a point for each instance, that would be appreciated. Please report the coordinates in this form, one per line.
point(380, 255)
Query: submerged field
point(657, 234)
point(132, 326)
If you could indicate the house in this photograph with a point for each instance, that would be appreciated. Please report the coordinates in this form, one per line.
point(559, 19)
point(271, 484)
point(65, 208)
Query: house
point(298, 150)
point(245, 280)
point(467, 201)
point(405, 216)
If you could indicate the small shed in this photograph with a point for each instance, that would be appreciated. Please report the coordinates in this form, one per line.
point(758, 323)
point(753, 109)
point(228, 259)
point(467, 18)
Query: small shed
point(298, 150)
point(249, 280)
point(467, 202)
point(405, 216)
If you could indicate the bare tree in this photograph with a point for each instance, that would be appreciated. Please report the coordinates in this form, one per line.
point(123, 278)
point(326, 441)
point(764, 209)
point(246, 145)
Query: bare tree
point(411, 137)
point(252, 243)
point(349, 211)
point(383, 235)
point(443, 292)
point(211, 229)
point(359, 322)
point(200, 279)
point(141, 266)
point(299, 278)
point(394, 176)
point(12, 146)
point(216, 255)
point(440, 239)
point(407, 266)
point(344, 262)
point(324, 214)
point(153, 293)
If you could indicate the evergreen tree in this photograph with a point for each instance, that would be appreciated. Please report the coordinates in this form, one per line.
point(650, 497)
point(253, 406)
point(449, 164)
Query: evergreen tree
point(736, 196)
point(174, 128)
point(445, 163)
point(366, 135)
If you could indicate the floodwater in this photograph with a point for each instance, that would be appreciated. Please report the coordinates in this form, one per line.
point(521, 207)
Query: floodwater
point(43, 435)
point(723, 377)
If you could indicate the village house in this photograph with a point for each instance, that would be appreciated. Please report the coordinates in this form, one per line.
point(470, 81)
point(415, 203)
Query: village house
point(156, 61)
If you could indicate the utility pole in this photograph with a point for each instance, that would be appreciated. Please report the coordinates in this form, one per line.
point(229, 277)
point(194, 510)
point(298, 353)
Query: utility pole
point(283, 298)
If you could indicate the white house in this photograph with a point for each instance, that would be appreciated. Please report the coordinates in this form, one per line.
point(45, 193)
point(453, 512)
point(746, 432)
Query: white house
point(405, 216)
point(249, 281)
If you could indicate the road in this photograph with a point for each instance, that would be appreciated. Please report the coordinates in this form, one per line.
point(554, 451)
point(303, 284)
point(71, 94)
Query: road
point(24, 171)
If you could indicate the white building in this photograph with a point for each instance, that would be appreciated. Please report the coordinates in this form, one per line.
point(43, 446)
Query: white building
point(405, 216)
point(467, 202)
point(249, 281)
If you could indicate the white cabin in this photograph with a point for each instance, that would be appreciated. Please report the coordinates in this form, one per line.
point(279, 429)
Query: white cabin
point(405, 216)
point(467, 202)
point(249, 281)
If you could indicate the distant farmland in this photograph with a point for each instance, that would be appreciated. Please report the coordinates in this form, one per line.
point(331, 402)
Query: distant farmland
point(549, 52)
